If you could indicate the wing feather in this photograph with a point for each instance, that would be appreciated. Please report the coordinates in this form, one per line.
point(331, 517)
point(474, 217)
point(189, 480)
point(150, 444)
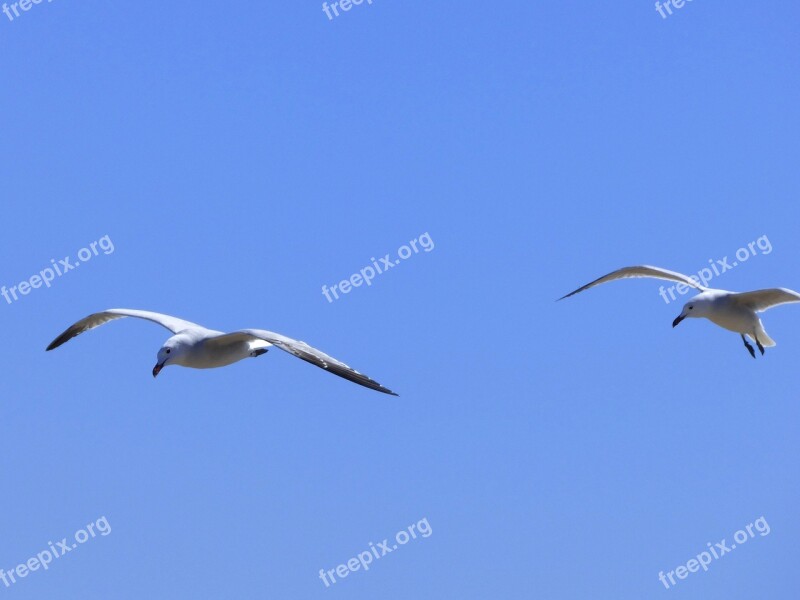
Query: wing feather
point(311, 355)
point(642, 271)
point(761, 300)
point(174, 324)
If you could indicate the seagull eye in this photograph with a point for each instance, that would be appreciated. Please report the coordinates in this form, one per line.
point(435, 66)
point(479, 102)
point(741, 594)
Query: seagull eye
point(690, 308)
point(168, 350)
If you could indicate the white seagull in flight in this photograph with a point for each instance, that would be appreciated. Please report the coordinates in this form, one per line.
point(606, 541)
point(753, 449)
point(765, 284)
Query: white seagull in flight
point(200, 348)
point(735, 311)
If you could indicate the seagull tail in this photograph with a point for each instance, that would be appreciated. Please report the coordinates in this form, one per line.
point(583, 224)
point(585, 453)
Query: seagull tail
point(763, 336)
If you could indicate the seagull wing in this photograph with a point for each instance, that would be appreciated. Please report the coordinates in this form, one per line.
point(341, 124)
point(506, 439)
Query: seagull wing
point(641, 271)
point(761, 300)
point(174, 324)
point(304, 351)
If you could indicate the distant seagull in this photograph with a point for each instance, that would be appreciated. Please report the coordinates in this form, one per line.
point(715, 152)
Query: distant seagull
point(735, 311)
point(200, 348)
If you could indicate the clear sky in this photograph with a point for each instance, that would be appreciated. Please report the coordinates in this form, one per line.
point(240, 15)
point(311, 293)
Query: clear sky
point(240, 156)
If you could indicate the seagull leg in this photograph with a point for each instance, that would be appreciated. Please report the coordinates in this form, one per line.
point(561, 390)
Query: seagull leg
point(760, 347)
point(749, 347)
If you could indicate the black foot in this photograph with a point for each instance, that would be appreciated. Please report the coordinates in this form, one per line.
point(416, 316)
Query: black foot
point(750, 348)
point(259, 352)
point(760, 347)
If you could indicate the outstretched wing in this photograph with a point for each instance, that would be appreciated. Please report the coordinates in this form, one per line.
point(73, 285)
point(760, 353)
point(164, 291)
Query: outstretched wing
point(641, 271)
point(761, 300)
point(307, 353)
point(174, 324)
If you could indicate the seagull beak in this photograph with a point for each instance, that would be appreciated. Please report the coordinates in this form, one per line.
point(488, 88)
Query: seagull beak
point(157, 369)
point(678, 320)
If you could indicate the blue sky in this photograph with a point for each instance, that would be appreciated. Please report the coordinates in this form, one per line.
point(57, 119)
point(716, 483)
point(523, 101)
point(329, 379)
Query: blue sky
point(240, 157)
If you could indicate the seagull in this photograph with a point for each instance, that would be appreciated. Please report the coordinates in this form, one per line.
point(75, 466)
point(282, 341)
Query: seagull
point(195, 346)
point(734, 311)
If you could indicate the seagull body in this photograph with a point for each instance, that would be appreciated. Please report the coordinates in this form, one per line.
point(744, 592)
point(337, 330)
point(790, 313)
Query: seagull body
point(197, 347)
point(734, 311)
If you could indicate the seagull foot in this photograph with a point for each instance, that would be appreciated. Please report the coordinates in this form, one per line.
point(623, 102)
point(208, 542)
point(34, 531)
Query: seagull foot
point(760, 347)
point(259, 352)
point(750, 348)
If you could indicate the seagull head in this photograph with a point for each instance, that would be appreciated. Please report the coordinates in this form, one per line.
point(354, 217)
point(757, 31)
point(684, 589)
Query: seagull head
point(696, 307)
point(171, 352)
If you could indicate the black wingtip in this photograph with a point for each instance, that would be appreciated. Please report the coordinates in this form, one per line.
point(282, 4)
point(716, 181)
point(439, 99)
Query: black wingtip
point(379, 388)
point(57, 342)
